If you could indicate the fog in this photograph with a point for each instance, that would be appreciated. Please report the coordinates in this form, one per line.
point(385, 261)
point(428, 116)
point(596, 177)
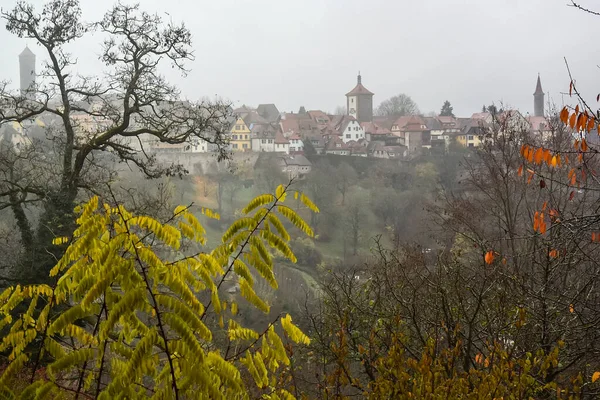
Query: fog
point(312, 200)
point(308, 53)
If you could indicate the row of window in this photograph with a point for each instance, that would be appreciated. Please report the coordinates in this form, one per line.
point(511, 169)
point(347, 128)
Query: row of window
point(350, 128)
point(349, 136)
point(235, 137)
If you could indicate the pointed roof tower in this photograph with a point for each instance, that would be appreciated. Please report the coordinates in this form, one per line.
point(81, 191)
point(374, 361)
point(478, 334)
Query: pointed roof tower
point(538, 99)
point(538, 87)
point(359, 88)
point(26, 52)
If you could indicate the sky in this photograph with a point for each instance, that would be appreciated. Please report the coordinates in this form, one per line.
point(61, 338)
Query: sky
point(308, 53)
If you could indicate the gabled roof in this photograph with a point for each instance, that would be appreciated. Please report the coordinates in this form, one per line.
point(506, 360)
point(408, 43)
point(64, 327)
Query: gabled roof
point(318, 115)
point(415, 124)
point(433, 123)
point(447, 120)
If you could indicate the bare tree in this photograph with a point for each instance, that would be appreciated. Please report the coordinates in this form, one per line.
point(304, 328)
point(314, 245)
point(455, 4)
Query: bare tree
point(341, 110)
point(355, 216)
point(345, 177)
point(399, 105)
point(123, 110)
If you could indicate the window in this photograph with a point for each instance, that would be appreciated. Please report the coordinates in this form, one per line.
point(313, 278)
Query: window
point(245, 136)
point(348, 136)
point(471, 145)
point(352, 100)
point(237, 128)
point(270, 140)
point(244, 146)
point(263, 141)
point(356, 135)
point(470, 137)
point(349, 128)
point(235, 146)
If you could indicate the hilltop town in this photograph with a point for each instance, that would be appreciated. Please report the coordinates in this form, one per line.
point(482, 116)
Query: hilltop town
point(292, 135)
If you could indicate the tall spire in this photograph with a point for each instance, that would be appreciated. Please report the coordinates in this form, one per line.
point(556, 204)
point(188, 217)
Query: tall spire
point(359, 79)
point(538, 87)
point(538, 99)
point(27, 71)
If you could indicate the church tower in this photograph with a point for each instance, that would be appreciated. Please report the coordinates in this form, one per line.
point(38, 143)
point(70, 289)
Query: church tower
point(27, 71)
point(359, 102)
point(538, 99)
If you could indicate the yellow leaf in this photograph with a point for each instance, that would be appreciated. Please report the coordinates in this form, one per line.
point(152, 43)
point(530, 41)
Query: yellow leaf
point(595, 376)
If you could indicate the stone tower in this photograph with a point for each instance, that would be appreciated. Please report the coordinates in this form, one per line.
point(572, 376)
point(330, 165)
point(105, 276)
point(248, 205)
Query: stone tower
point(538, 99)
point(27, 71)
point(359, 102)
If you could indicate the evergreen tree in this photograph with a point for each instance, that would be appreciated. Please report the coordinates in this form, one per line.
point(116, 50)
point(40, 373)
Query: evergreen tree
point(446, 110)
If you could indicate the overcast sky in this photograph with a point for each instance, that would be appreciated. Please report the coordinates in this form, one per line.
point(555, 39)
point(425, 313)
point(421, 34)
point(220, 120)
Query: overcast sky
point(307, 53)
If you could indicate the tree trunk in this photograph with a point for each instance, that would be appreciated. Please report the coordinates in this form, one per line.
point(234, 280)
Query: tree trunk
point(57, 220)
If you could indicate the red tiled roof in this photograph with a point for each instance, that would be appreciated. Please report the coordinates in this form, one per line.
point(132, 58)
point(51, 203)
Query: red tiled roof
point(538, 123)
point(290, 125)
point(280, 139)
point(481, 115)
point(374, 129)
point(414, 124)
point(359, 89)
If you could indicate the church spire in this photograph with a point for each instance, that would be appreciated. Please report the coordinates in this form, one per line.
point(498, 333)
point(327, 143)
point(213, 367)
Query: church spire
point(538, 99)
point(359, 79)
point(538, 87)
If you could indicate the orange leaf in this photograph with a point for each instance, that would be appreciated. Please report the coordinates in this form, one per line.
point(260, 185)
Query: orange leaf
point(539, 153)
point(504, 261)
point(571, 195)
point(554, 161)
point(553, 253)
point(584, 146)
point(523, 149)
point(571, 308)
point(593, 236)
point(595, 376)
point(576, 144)
point(544, 206)
point(547, 156)
point(564, 115)
point(489, 257)
point(577, 109)
point(536, 221)
point(542, 224)
point(591, 124)
point(520, 171)
point(572, 121)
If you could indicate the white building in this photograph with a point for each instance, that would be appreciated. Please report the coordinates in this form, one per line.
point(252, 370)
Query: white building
point(350, 130)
